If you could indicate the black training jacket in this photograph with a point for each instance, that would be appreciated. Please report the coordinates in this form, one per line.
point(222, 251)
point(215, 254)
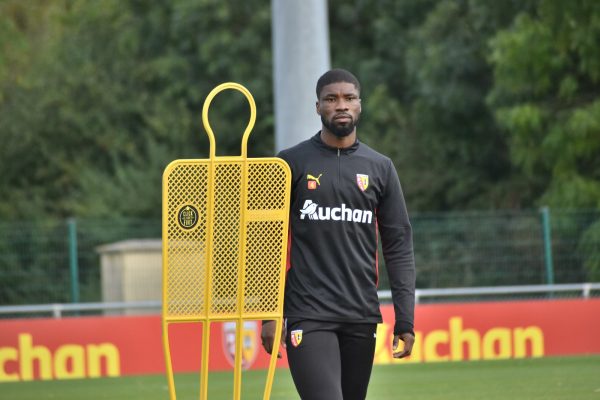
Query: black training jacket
point(341, 199)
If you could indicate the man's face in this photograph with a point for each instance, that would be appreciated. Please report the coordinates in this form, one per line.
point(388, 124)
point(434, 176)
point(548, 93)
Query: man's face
point(339, 108)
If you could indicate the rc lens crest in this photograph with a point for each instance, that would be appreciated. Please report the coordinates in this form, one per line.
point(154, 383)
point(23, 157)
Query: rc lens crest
point(187, 216)
point(296, 337)
point(362, 181)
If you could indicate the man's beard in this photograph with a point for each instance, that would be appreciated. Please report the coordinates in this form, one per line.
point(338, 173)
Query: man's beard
point(339, 130)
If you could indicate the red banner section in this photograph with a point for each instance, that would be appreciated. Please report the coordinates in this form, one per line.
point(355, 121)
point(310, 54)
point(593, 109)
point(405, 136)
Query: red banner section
point(88, 347)
point(486, 331)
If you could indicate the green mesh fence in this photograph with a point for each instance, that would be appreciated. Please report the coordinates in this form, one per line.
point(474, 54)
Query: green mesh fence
point(457, 250)
point(33, 262)
point(502, 248)
point(451, 249)
point(35, 267)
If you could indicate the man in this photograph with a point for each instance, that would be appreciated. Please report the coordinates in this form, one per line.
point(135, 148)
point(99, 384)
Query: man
point(344, 196)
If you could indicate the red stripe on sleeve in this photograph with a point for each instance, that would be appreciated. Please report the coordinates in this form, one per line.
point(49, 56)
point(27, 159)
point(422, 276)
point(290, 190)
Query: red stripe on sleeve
point(288, 261)
point(376, 250)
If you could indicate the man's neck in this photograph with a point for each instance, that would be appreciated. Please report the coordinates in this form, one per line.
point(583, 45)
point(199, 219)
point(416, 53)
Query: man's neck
point(339, 142)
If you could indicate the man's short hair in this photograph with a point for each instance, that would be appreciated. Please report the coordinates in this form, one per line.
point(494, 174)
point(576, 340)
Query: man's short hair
point(334, 76)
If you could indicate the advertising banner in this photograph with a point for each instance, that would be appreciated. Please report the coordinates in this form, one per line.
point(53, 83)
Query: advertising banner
point(89, 347)
point(497, 330)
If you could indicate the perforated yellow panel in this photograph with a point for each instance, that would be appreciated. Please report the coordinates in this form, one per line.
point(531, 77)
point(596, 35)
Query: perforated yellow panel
point(186, 184)
point(225, 224)
point(218, 235)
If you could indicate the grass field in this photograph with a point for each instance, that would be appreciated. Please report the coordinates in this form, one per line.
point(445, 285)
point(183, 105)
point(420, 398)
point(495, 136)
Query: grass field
point(568, 378)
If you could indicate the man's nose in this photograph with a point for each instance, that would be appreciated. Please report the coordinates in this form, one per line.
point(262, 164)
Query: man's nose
point(342, 104)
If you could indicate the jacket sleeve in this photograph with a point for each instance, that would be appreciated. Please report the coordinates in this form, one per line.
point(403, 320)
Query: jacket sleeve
point(396, 239)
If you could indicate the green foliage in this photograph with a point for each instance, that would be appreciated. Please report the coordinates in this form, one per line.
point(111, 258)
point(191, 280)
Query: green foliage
point(547, 99)
point(117, 93)
point(481, 105)
point(546, 95)
point(428, 58)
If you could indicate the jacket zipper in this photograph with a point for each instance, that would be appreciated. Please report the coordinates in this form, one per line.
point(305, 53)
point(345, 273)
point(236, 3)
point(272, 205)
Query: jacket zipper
point(339, 166)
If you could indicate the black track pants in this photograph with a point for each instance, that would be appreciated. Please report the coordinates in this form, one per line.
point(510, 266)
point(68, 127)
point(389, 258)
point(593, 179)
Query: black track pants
point(330, 360)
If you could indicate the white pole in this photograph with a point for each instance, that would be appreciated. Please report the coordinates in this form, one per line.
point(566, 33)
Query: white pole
point(300, 57)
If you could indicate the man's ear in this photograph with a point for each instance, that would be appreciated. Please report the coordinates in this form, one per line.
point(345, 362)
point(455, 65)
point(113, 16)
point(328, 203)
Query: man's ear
point(317, 107)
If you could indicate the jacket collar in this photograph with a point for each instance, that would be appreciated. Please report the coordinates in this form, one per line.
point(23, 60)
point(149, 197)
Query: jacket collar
point(316, 140)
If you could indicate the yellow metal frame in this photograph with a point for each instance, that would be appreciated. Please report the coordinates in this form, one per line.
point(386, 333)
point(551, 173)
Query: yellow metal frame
point(225, 230)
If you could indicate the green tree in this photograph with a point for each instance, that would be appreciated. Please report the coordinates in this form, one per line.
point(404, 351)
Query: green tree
point(546, 96)
point(25, 30)
point(425, 77)
point(117, 93)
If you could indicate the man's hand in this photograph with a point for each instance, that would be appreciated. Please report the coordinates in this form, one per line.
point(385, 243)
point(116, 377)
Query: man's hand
point(267, 337)
point(408, 339)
